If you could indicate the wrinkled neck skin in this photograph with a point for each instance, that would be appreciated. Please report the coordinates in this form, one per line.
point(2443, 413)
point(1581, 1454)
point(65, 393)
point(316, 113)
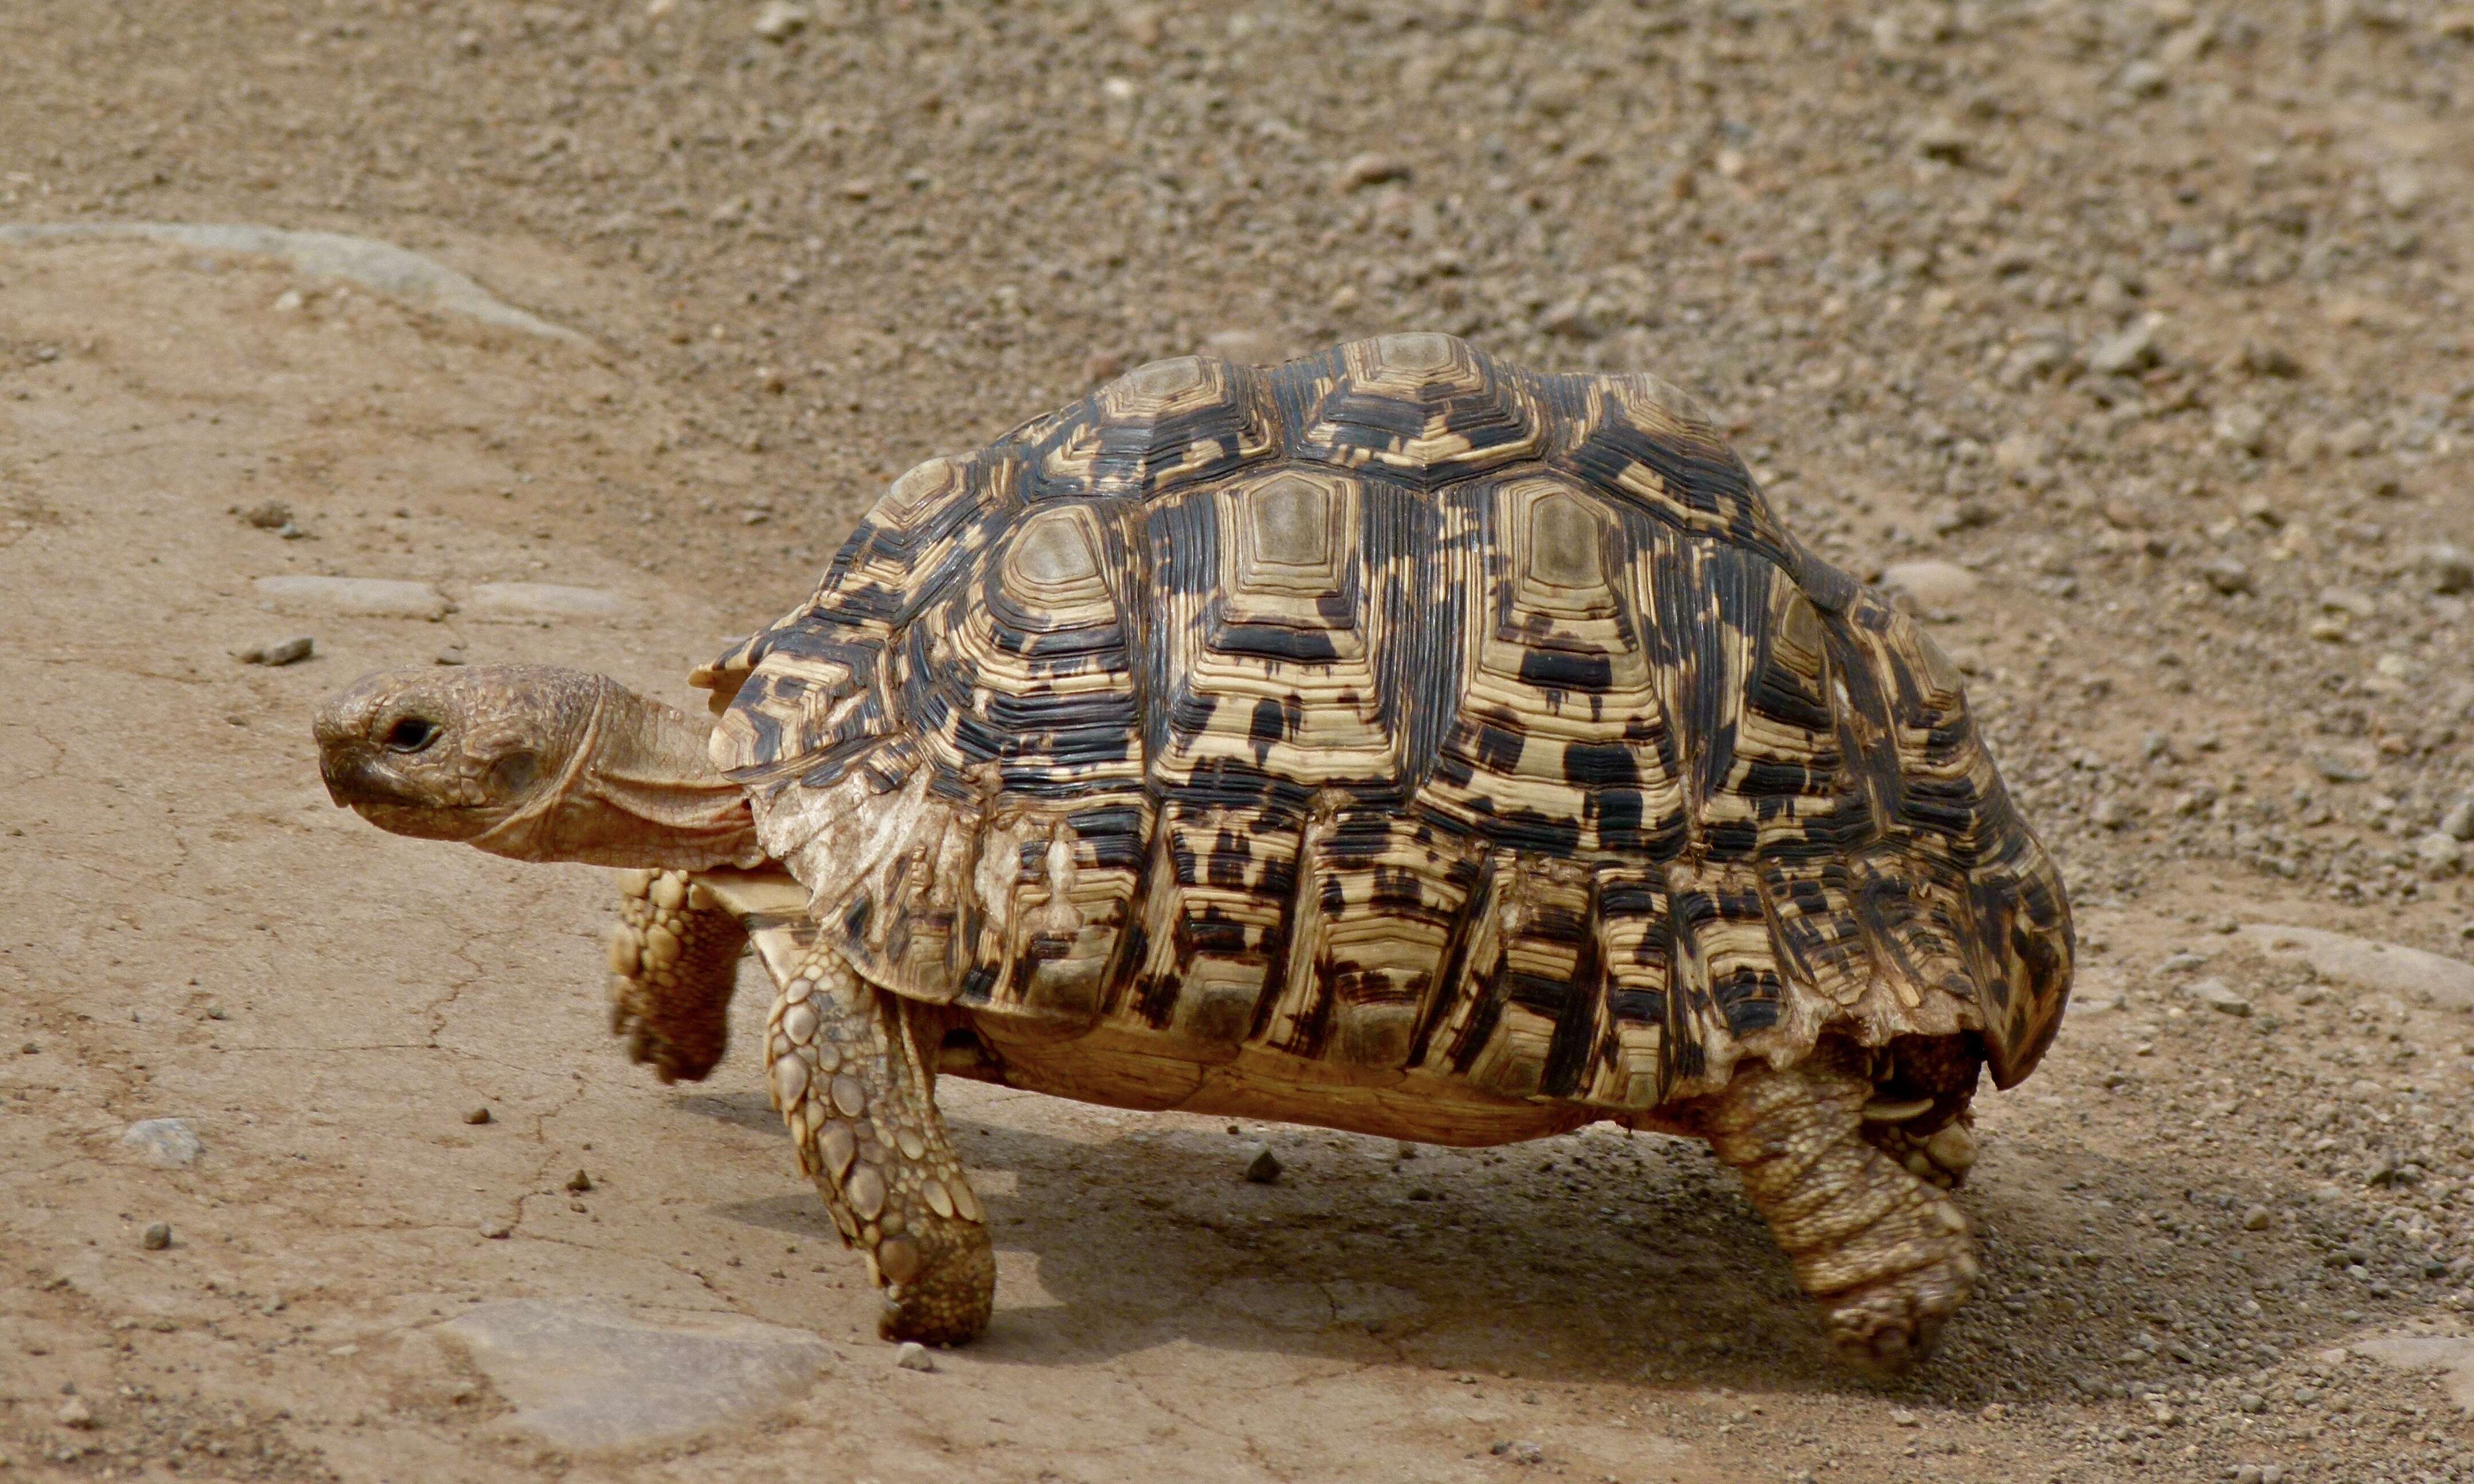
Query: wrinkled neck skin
point(637, 789)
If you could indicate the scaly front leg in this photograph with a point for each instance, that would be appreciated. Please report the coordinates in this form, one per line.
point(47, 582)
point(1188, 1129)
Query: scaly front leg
point(673, 965)
point(848, 1077)
point(1886, 1254)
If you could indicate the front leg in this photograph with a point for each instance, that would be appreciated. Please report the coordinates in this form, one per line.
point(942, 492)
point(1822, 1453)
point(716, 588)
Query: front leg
point(673, 967)
point(848, 1078)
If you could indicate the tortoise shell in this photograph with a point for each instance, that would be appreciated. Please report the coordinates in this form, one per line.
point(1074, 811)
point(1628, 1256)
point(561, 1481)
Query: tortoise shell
point(1403, 711)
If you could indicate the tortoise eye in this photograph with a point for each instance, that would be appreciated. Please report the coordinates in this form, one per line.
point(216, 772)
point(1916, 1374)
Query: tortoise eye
point(411, 734)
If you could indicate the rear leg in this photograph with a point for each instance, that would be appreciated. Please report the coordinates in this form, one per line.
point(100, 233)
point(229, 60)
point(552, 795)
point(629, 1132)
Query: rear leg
point(848, 1074)
point(1920, 1112)
point(1886, 1254)
point(673, 967)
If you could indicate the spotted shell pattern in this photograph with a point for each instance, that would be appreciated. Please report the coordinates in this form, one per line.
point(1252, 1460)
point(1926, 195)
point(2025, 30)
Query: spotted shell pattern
point(1400, 709)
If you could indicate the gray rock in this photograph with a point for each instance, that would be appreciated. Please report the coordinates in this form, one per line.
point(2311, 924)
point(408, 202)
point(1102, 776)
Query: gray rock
point(1930, 584)
point(911, 1355)
point(585, 1375)
point(2217, 995)
point(2143, 77)
point(369, 596)
point(1944, 138)
point(2457, 824)
point(2448, 568)
point(157, 1236)
point(543, 600)
point(2227, 575)
point(381, 266)
point(2452, 1354)
point(497, 1229)
point(1371, 169)
point(2439, 850)
point(2410, 974)
point(779, 20)
point(1262, 1166)
point(164, 1142)
point(2243, 428)
point(277, 651)
point(2127, 352)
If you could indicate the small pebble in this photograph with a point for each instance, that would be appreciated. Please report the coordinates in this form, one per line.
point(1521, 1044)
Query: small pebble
point(74, 1413)
point(779, 20)
point(579, 1183)
point(1262, 1166)
point(497, 1229)
point(279, 652)
point(1520, 1450)
point(157, 1236)
point(477, 1115)
point(272, 515)
point(911, 1355)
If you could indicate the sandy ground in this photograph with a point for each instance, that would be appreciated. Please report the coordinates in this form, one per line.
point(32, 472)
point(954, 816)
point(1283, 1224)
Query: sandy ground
point(2145, 324)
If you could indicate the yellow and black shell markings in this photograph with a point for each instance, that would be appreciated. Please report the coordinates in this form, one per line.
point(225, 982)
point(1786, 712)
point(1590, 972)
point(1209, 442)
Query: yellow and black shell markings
point(1399, 711)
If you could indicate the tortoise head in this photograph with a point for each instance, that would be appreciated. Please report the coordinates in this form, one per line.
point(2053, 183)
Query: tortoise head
point(533, 763)
point(455, 754)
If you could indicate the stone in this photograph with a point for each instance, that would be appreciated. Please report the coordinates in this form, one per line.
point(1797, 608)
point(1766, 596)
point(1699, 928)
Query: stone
point(375, 597)
point(476, 1115)
point(2143, 77)
point(779, 20)
point(1930, 584)
point(2450, 1353)
point(2243, 428)
point(2457, 824)
point(2227, 576)
point(157, 1236)
point(381, 266)
point(497, 1229)
point(1372, 169)
point(269, 516)
point(74, 1413)
point(2446, 568)
point(2439, 850)
point(543, 600)
point(2127, 352)
point(911, 1355)
point(2268, 360)
point(585, 1375)
point(164, 1142)
point(277, 651)
point(2217, 995)
point(2410, 973)
point(1944, 139)
point(1262, 1166)
point(1520, 1450)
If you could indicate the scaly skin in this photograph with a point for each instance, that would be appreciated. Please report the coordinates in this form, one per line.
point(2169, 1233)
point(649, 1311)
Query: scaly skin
point(1886, 1254)
point(673, 965)
point(847, 1075)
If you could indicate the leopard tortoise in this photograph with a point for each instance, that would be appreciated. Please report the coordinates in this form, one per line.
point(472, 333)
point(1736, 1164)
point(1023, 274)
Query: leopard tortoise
point(1393, 741)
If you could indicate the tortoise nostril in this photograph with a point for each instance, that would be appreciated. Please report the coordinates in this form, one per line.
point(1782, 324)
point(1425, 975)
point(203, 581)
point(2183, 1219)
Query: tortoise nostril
point(411, 734)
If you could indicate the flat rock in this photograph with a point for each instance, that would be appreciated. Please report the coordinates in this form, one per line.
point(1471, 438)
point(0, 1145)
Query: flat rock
point(399, 273)
point(2413, 975)
point(543, 600)
point(2217, 995)
point(376, 596)
point(1932, 584)
point(587, 1377)
point(2453, 1353)
point(166, 1142)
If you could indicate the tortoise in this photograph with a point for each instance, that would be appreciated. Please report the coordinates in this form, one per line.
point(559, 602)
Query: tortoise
point(1393, 740)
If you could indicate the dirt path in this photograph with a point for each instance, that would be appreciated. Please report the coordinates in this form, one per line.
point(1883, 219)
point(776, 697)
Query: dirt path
point(2198, 568)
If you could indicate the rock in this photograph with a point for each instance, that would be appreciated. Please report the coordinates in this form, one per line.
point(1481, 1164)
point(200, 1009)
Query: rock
point(157, 1236)
point(2226, 575)
point(376, 597)
point(1944, 139)
point(2217, 995)
point(2439, 850)
point(165, 1142)
point(1262, 1166)
point(271, 515)
point(278, 652)
point(2452, 1354)
point(2410, 974)
point(1372, 169)
point(74, 1413)
point(2143, 77)
point(2111, 814)
point(381, 266)
point(911, 1355)
point(543, 600)
point(1520, 1450)
point(2243, 428)
point(779, 20)
point(2129, 351)
point(585, 1375)
point(2269, 361)
point(476, 1115)
point(1930, 584)
point(2256, 1219)
point(2340, 770)
point(497, 1229)
point(2457, 824)
point(2448, 568)
point(579, 1183)
point(2020, 455)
